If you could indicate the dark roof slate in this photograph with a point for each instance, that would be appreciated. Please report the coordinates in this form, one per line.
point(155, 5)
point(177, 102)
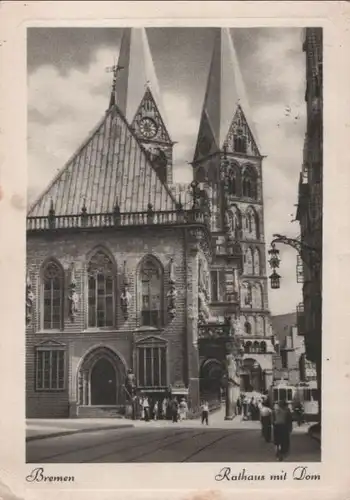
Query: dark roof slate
point(110, 167)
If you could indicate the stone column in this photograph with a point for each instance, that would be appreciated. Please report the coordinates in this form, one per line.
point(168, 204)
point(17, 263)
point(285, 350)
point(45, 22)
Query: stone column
point(86, 395)
point(232, 383)
point(268, 379)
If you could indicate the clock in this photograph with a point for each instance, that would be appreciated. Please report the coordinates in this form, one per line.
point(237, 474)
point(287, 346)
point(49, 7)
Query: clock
point(148, 128)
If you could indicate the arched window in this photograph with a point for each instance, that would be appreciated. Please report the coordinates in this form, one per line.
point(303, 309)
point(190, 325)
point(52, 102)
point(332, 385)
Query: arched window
point(233, 180)
point(240, 143)
point(250, 183)
point(235, 221)
point(252, 223)
point(256, 262)
point(257, 296)
point(247, 347)
point(247, 327)
point(248, 261)
point(53, 296)
point(256, 347)
point(151, 277)
point(263, 346)
point(101, 289)
point(260, 325)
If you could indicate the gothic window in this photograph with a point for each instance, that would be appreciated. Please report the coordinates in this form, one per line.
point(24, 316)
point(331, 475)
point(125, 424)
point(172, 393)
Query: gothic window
point(53, 296)
point(151, 366)
point(248, 261)
point(252, 223)
point(218, 286)
point(233, 180)
point(260, 325)
point(50, 369)
point(247, 327)
point(240, 143)
point(256, 262)
point(101, 291)
point(263, 347)
point(151, 281)
point(235, 221)
point(247, 347)
point(257, 296)
point(250, 183)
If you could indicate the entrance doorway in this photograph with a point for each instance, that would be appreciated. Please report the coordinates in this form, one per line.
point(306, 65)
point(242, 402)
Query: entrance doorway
point(252, 379)
point(103, 384)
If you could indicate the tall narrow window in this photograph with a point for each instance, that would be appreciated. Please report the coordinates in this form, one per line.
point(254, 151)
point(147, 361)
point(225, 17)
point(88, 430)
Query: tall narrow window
point(101, 284)
point(218, 286)
point(250, 183)
point(151, 293)
point(50, 369)
point(240, 143)
point(151, 366)
point(53, 294)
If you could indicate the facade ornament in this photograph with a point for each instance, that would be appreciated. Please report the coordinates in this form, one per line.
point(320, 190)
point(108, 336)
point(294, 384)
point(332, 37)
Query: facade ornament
point(73, 296)
point(172, 293)
point(125, 298)
point(52, 216)
point(30, 297)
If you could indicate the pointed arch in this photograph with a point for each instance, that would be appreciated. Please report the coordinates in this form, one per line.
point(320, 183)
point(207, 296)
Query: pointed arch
point(256, 262)
point(260, 325)
point(250, 182)
point(150, 284)
point(248, 261)
point(235, 221)
point(252, 227)
point(52, 294)
point(234, 179)
point(257, 296)
point(251, 320)
point(102, 287)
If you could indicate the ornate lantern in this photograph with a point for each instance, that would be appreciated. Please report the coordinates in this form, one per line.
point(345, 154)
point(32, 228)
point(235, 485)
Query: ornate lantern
point(275, 280)
point(274, 260)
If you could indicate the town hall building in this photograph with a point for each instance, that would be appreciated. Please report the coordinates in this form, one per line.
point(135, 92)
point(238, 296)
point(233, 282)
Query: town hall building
point(128, 272)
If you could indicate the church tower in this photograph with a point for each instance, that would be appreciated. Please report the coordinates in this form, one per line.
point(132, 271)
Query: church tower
point(228, 165)
point(139, 98)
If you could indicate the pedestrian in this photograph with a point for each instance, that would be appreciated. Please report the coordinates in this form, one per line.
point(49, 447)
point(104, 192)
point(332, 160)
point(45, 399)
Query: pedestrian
point(174, 410)
point(251, 409)
point(155, 411)
point(146, 409)
point(266, 421)
point(164, 408)
point(282, 428)
point(239, 406)
point(205, 412)
point(183, 409)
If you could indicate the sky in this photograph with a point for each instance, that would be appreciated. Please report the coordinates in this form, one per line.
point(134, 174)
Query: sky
point(69, 90)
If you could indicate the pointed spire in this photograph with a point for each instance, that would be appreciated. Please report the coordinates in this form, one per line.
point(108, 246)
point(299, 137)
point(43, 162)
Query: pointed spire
point(138, 74)
point(225, 92)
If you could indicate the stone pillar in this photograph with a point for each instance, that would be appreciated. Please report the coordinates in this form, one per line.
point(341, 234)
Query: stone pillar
point(86, 395)
point(233, 382)
point(268, 379)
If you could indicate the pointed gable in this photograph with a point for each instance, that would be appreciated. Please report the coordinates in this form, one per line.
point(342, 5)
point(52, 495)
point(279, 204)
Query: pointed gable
point(110, 167)
point(137, 75)
point(239, 129)
point(148, 108)
point(225, 91)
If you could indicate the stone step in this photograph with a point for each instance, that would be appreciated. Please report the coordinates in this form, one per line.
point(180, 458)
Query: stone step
point(100, 412)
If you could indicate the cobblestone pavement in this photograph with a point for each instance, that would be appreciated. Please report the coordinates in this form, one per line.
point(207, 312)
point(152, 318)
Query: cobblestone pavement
point(189, 441)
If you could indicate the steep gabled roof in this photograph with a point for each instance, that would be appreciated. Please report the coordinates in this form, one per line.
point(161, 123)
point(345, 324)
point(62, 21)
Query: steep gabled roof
point(110, 167)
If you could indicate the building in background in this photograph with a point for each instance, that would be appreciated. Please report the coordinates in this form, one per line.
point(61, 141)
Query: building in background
point(130, 275)
point(291, 364)
point(309, 212)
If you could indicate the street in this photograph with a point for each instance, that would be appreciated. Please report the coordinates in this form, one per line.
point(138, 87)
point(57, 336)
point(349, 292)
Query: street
point(188, 441)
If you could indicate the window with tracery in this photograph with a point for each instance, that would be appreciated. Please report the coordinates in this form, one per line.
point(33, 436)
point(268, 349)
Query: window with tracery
point(101, 290)
point(240, 143)
point(151, 293)
point(250, 183)
point(252, 223)
point(256, 262)
point(50, 369)
point(53, 296)
point(151, 366)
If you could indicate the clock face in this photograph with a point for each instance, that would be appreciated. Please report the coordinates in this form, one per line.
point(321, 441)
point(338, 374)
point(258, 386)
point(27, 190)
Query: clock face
point(148, 128)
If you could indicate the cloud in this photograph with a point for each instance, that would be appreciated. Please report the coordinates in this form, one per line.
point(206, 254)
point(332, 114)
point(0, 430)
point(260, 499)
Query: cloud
point(64, 107)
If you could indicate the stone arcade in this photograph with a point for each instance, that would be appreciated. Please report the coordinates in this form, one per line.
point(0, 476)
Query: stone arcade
point(128, 271)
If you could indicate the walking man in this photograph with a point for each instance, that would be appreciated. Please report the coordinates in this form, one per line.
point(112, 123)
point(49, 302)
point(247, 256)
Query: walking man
point(266, 421)
point(205, 412)
point(282, 428)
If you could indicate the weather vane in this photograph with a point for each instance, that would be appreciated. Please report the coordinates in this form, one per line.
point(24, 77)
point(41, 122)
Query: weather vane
point(115, 70)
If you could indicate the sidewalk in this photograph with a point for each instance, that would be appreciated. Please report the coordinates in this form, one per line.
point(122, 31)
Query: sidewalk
point(45, 428)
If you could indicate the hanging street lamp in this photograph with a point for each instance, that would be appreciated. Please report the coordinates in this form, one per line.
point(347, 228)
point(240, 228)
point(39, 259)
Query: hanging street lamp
point(274, 262)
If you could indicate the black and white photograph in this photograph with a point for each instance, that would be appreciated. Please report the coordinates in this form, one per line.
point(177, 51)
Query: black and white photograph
point(173, 283)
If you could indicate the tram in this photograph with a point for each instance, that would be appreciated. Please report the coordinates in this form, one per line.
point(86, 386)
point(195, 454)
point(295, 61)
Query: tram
point(305, 393)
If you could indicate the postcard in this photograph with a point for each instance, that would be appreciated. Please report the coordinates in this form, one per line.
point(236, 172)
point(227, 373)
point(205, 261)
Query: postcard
point(174, 200)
